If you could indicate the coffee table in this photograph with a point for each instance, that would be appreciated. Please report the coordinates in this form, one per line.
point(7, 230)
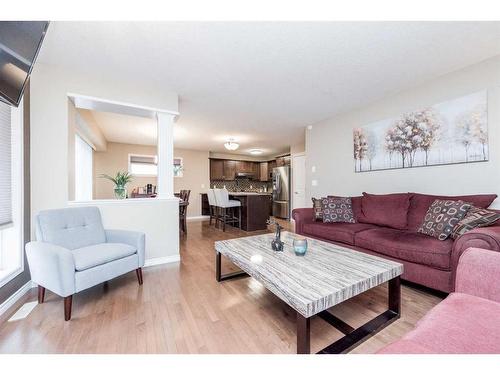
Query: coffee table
point(327, 275)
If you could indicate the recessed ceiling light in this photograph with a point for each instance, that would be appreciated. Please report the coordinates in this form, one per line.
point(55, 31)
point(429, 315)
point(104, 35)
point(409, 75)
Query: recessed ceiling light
point(231, 145)
point(255, 151)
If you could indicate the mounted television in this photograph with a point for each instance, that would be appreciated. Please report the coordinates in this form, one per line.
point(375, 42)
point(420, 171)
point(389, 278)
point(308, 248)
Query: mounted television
point(20, 42)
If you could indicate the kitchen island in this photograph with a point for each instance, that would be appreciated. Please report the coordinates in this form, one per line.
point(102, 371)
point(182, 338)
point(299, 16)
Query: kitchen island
point(255, 208)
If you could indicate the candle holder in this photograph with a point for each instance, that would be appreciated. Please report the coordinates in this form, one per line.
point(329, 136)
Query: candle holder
point(300, 246)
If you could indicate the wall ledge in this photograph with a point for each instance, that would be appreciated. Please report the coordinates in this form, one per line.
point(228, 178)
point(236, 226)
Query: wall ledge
point(123, 201)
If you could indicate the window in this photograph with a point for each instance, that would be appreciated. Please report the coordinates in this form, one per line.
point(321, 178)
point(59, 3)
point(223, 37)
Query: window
point(83, 167)
point(147, 165)
point(178, 167)
point(11, 181)
point(143, 165)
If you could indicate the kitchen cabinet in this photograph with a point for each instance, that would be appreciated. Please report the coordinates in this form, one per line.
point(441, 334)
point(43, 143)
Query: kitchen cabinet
point(244, 166)
point(229, 170)
point(264, 171)
point(216, 169)
point(256, 171)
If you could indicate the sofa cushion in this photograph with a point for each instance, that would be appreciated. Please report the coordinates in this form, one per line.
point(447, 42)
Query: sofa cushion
point(95, 255)
point(442, 216)
point(337, 210)
point(71, 228)
point(460, 324)
point(420, 203)
point(475, 218)
point(317, 209)
point(410, 246)
point(337, 232)
point(388, 210)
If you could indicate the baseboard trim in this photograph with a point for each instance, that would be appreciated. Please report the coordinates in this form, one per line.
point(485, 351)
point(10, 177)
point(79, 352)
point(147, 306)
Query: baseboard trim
point(198, 218)
point(11, 301)
point(162, 260)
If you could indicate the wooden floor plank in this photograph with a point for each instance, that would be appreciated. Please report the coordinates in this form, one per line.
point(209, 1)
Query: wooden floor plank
point(180, 308)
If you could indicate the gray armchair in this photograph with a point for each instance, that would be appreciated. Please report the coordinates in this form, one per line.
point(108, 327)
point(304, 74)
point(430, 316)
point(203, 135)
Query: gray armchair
point(73, 252)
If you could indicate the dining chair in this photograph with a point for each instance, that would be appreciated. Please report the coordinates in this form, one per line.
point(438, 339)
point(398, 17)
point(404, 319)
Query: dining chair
point(213, 209)
point(183, 206)
point(227, 207)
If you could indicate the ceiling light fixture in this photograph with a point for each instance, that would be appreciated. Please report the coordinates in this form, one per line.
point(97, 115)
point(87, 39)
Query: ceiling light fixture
point(231, 145)
point(256, 151)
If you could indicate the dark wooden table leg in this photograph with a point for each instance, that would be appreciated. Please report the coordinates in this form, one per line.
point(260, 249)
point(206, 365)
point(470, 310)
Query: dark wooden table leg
point(395, 295)
point(217, 265)
point(303, 334)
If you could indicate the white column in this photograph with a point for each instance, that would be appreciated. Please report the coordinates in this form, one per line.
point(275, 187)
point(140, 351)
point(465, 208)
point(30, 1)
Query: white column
point(165, 146)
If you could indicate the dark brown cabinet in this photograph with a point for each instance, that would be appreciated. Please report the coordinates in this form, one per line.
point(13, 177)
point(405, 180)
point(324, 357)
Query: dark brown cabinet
point(244, 166)
point(264, 171)
point(230, 169)
point(216, 169)
point(227, 170)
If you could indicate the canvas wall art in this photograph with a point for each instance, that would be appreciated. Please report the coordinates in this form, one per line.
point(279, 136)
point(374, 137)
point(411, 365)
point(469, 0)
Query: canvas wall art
point(455, 131)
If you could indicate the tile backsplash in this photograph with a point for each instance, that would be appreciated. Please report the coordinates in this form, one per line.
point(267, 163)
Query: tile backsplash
point(242, 184)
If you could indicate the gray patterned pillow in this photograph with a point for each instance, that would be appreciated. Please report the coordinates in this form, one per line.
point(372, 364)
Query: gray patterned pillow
point(317, 209)
point(442, 216)
point(337, 210)
point(475, 218)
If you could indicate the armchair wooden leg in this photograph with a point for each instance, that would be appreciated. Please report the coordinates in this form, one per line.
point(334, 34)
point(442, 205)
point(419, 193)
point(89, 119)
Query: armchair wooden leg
point(68, 301)
point(41, 294)
point(139, 275)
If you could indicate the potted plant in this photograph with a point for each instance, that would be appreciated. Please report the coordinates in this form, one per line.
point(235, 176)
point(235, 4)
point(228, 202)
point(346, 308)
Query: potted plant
point(120, 180)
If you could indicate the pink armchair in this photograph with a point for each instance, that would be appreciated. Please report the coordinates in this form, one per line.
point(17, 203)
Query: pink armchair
point(468, 320)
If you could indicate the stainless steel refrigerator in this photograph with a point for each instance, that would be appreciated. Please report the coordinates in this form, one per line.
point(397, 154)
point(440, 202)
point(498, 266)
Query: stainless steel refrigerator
point(281, 192)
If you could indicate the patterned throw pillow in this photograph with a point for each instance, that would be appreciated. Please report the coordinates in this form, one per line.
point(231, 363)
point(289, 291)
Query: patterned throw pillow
point(317, 209)
point(442, 216)
point(337, 210)
point(475, 218)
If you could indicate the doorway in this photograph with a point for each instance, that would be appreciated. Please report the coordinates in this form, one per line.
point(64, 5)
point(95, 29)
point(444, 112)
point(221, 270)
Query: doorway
point(299, 180)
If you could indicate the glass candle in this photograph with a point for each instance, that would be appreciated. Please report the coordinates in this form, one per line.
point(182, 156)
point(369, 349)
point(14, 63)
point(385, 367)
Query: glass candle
point(300, 246)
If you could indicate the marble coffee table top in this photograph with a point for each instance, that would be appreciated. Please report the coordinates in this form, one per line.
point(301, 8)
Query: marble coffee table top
point(327, 275)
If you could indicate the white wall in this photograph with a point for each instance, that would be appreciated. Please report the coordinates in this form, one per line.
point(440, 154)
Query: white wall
point(49, 125)
point(158, 218)
point(50, 87)
point(329, 143)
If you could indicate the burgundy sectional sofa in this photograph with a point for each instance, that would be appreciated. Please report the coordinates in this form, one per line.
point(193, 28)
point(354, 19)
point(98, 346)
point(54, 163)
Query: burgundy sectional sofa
point(467, 321)
point(388, 228)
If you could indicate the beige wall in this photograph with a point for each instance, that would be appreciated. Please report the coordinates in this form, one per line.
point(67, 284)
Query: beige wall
point(195, 174)
point(196, 177)
point(115, 159)
point(329, 143)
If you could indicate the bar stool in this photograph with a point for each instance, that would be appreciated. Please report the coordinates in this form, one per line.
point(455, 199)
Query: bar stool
point(212, 202)
point(227, 207)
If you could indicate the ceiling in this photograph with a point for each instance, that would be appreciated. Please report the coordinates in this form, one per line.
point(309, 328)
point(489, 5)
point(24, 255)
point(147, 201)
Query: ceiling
point(124, 128)
point(262, 83)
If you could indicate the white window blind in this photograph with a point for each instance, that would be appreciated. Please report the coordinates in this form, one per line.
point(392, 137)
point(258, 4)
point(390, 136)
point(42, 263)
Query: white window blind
point(83, 170)
point(5, 165)
point(143, 165)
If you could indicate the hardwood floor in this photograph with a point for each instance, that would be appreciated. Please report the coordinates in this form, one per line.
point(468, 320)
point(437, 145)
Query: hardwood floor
point(180, 308)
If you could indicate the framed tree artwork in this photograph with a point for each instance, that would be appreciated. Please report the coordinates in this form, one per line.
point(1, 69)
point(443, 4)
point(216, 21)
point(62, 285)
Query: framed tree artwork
point(455, 131)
